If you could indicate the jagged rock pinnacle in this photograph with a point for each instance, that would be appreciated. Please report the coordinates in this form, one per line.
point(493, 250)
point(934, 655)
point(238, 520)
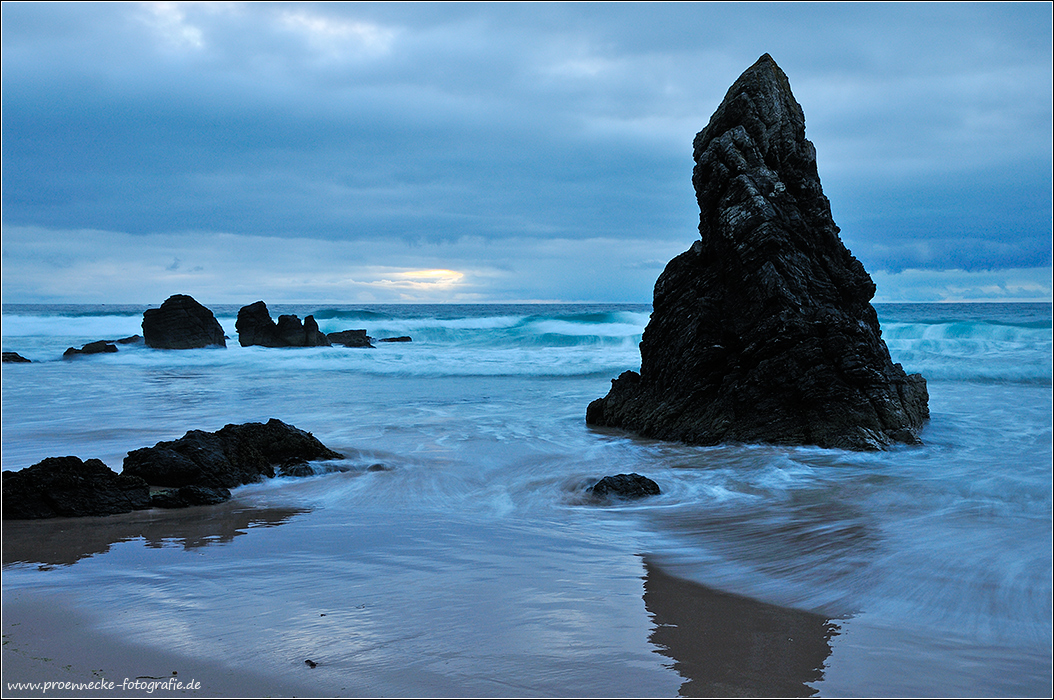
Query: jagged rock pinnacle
point(763, 330)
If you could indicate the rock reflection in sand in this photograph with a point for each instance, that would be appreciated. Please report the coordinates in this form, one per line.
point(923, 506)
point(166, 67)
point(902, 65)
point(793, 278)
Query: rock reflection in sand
point(65, 541)
point(730, 646)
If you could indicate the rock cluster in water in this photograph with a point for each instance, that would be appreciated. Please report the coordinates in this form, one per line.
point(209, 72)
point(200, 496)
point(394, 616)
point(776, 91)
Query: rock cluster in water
point(197, 469)
point(763, 331)
point(255, 327)
point(183, 324)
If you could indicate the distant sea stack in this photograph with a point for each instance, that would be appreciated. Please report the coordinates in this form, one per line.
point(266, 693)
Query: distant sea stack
point(763, 331)
point(181, 324)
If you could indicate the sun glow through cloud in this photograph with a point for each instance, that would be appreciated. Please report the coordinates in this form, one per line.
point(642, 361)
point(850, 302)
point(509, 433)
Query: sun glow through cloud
point(433, 284)
point(432, 276)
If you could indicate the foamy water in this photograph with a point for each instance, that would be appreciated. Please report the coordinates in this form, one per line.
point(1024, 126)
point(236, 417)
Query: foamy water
point(474, 558)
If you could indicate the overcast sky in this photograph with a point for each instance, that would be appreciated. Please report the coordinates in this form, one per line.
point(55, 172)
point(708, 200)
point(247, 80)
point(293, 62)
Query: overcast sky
point(499, 152)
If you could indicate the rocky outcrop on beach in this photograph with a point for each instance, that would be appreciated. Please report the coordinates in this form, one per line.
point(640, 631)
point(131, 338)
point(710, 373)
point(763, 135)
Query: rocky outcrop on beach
point(763, 331)
point(14, 357)
point(68, 487)
point(351, 339)
point(627, 486)
point(229, 457)
point(255, 327)
point(181, 324)
point(197, 469)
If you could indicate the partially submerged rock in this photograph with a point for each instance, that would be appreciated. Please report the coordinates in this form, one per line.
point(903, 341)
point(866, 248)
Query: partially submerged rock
point(99, 346)
point(69, 487)
point(624, 486)
point(351, 338)
point(255, 327)
point(763, 331)
point(229, 457)
point(14, 357)
point(181, 324)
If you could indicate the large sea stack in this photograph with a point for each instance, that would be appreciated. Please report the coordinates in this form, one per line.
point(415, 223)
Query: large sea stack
point(763, 331)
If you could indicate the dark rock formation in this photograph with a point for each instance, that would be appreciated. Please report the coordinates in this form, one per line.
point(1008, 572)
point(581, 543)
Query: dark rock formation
point(68, 487)
point(14, 357)
point(308, 335)
point(763, 330)
point(351, 339)
point(624, 486)
point(398, 339)
point(99, 346)
point(197, 469)
point(232, 456)
point(255, 327)
point(181, 324)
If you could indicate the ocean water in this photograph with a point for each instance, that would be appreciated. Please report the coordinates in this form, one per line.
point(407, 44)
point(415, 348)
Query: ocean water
point(473, 564)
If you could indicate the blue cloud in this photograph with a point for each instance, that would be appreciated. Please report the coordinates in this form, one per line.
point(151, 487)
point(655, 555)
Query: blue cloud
point(439, 123)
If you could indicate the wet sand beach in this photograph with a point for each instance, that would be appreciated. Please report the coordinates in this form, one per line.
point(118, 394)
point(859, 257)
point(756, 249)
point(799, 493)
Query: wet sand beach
point(693, 641)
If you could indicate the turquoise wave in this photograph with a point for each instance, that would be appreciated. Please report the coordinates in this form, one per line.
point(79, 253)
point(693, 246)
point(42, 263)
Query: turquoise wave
point(953, 342)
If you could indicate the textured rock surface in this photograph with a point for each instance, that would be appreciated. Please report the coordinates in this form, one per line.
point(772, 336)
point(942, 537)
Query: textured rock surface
point(14, 357)
point(181, 324)
point(624, 486)
point(255, 327)
point(68, 487)
point(232, 456)
point(763, 330)
point(186, 496)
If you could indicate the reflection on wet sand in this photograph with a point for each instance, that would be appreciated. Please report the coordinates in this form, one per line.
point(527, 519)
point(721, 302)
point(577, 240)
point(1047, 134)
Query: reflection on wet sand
point(730, 646)
point(65, 541)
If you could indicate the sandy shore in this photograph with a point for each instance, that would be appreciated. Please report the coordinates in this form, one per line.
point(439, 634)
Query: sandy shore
point(47, 642)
